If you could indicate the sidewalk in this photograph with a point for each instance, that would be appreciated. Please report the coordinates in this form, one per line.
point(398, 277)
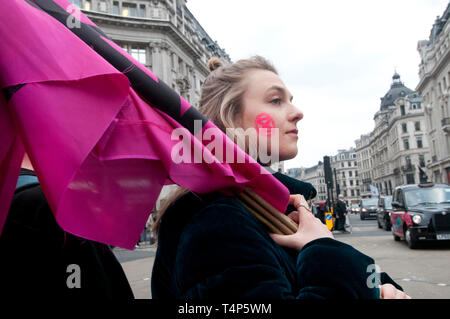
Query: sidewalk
point(137, 265)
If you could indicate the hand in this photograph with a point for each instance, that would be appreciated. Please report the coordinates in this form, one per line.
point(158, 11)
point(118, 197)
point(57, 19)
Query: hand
point(309, 228)
point(388, 291)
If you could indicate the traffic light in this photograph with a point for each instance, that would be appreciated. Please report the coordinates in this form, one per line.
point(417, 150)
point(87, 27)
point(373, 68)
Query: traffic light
point(327, 171)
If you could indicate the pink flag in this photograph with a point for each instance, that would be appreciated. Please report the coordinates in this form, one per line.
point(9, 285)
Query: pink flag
point(101, 153)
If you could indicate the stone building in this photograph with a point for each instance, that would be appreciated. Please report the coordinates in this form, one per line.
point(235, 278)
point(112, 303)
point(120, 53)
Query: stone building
point(434, 86)
point(316, 176)
point(164, 36)
point(364, 162)
point(161, 34)
point(395, 152)
point(345, 175)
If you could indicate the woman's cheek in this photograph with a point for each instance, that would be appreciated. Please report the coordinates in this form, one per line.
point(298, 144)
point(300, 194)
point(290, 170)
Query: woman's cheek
point(264, 121)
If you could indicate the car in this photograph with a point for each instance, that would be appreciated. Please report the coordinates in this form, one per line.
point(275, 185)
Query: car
point(354, 209)
point(420, 213)
point(383, 210)
point(368, 208)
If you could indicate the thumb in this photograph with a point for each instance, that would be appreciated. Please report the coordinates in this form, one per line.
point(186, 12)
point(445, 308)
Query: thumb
point(280, 239)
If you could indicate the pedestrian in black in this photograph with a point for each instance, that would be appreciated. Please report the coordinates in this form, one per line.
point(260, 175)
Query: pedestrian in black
point(341, 213)
point(40, 260)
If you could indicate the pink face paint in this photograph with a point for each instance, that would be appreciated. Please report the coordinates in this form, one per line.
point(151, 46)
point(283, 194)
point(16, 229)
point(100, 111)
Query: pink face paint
point(264, 120)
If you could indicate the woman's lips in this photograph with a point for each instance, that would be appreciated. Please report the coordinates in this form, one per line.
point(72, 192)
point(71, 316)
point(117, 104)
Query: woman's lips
point(292, 132)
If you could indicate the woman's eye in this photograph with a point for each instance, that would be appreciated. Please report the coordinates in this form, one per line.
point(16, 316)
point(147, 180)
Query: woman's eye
point(276, 101)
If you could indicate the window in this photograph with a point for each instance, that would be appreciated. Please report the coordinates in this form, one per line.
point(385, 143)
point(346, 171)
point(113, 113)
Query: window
point(417, 126)
point(142, 10)
point(408, 160)
point(345, 183)
point(350, 174)
point(419, 142)
point(343, 174)
point(87, 5)
point(351, 182)
point(422, 160)
point(180, 66)
point(76, 2)
point(353, 192)
point(404, 128)
point(402, 110)
point(116, 7)
point(129, 10)
point(349, 164)
point(406, 144)
point(140, 54)
point(410, 179)
point(102, 6)
point(342, 164)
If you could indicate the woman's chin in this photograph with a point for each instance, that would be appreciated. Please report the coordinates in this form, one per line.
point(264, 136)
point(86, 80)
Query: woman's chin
point(285, 156)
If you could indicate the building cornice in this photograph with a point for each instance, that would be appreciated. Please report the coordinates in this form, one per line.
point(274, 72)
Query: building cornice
point(427, 76)
point(164, 26)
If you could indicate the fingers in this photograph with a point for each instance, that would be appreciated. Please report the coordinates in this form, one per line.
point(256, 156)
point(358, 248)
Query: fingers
point(298, 200)
point(283, 240)
point(388, 291)
point(294, 216)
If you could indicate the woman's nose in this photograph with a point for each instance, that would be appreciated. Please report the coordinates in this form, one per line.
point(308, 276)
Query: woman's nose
point(295, 114)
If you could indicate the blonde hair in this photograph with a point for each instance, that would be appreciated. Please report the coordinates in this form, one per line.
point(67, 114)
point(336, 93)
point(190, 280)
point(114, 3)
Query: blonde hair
point(221, 100)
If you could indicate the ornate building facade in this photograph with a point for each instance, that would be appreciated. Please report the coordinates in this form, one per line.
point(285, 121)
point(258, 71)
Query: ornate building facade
point(364, 162)
point(396, 151)
point(161, 34)
point(345, 175)
point(434, 86)
point(164, 36)
point(316, 176)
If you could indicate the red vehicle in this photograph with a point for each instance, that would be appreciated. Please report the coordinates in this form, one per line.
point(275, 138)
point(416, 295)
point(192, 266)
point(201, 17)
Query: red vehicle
point(421, 213)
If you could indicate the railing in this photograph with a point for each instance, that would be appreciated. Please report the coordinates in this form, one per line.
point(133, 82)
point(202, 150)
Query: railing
point(396, 171)
point(408, 168)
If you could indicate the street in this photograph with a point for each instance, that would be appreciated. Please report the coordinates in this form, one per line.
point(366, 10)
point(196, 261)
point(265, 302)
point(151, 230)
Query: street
point(423, 273)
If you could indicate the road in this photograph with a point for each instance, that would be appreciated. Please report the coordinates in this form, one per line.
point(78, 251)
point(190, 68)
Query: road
point(423, 273)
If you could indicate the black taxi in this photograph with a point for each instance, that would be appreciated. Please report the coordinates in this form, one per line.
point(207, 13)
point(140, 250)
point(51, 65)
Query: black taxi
point(421, 212)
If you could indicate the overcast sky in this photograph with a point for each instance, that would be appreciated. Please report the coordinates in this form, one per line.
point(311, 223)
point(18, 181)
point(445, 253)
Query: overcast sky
point(336, 57)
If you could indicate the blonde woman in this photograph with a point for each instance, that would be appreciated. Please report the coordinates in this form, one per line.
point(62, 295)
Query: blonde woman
point(212, 247)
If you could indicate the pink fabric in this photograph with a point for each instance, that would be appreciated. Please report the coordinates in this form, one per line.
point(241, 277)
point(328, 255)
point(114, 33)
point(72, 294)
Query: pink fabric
point(100, 152)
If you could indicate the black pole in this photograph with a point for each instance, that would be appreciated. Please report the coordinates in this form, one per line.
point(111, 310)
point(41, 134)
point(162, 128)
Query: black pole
point(328, 178)
point(338, 190)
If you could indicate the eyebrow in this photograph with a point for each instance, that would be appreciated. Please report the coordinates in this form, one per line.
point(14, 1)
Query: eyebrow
point(281, 90)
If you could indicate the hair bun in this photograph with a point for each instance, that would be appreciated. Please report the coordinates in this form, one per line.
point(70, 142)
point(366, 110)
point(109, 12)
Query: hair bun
point(214, 63)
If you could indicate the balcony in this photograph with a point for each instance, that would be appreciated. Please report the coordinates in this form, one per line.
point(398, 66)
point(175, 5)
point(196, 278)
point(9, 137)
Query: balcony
point(445, 124)
point(396, 171)
point(408, 168)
